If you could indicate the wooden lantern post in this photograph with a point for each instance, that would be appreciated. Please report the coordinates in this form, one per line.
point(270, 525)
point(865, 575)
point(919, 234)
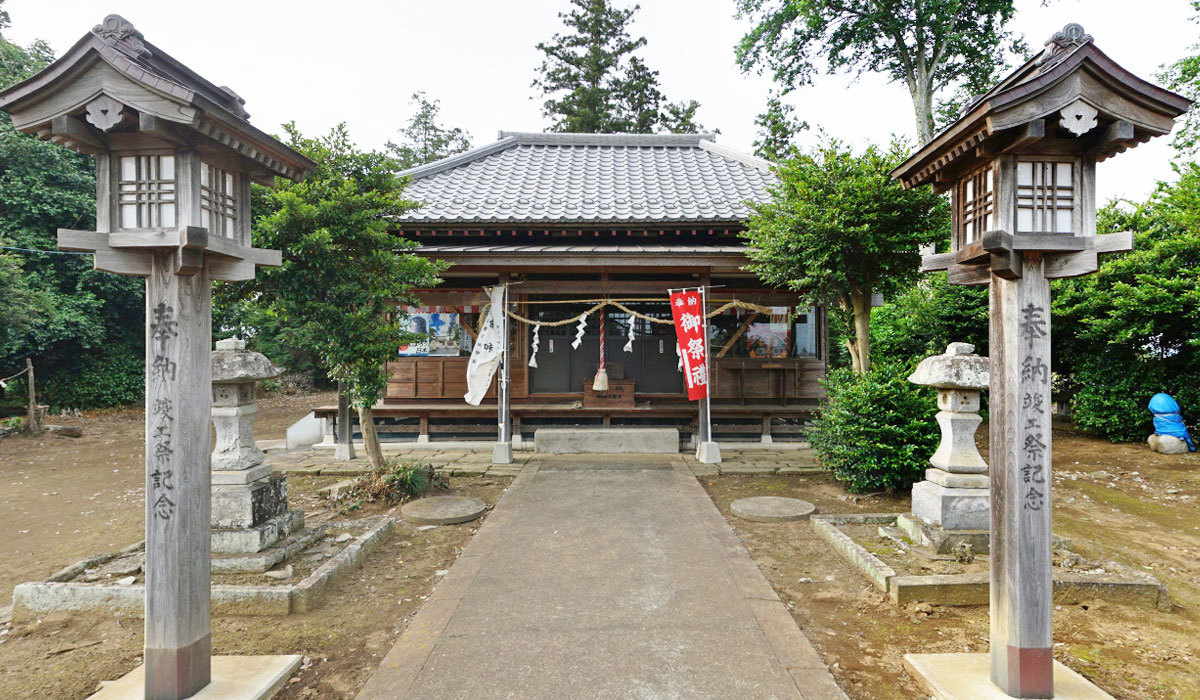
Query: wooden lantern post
point(175, 157)
point(1020, 164)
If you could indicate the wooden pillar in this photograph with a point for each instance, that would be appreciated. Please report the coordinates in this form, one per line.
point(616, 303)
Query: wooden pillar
point(178, 401)
point(1021, 596)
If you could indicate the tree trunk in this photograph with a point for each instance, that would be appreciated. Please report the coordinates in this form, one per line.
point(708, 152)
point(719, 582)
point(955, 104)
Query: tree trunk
point(366, 423)
point(922, 99)
point(861, 303)
point(33, 423)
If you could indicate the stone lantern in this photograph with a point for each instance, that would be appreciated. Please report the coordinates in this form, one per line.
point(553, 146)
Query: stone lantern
point(249, 504)
point(175, 155)
point(954, 495)
point(1020, 166)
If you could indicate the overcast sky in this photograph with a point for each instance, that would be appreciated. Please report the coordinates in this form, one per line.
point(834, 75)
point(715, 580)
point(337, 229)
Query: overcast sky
point(359, 61)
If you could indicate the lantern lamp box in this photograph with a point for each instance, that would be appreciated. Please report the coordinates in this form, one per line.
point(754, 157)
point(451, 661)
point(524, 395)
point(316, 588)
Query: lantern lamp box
point(1020, 166)
point(175, 156)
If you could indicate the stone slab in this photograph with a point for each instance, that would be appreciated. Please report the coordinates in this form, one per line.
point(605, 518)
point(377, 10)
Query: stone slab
point(443, 510)
point(952, 509)
point(967, 677)
point(603, 582)
point(222, 477)
point(255, 539)
point(771, 509)
point(606, 440)
point(957, 481)
point(233, 678)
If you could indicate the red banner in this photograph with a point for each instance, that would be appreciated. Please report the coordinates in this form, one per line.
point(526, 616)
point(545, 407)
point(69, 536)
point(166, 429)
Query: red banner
point(693, 345)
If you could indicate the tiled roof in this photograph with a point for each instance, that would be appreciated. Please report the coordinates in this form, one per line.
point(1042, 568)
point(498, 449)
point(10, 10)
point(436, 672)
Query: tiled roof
point(590, 178)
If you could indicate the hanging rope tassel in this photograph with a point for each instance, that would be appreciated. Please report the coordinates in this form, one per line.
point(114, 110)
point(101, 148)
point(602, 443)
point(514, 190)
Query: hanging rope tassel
point(629, 344)
point(534, 348)
point(601, 381)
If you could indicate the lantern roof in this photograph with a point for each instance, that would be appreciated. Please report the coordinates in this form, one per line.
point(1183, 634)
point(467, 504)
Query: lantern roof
point(1072, 98)
point(81, 97)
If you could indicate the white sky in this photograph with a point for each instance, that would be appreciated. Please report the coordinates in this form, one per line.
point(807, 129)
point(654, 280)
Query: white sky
point(358, 61)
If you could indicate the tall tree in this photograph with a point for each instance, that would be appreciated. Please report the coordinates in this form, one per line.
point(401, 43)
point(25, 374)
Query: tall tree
point(777, 126)
point(928, 45)
point(344, 277)
point(1183, 76)
point(424, 139)
point(838, 228)
point(592, 81)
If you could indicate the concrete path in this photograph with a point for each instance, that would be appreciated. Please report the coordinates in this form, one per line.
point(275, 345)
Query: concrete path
point(603, 576)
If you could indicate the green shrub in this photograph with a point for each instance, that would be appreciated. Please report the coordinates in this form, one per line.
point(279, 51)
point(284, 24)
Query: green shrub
point(392, 483)
point(1112, 393)
point(113, 375)
point(875, 431)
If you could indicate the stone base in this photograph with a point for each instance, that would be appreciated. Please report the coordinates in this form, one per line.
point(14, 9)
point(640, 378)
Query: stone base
point(708, 453)
point(953, 480)
point(1167, 445)
point(771, 509)
point(502, 453)
point(968, 677)
point(256, 539)
point(443, 510)
point(240, 506)
point(952, 508)
point(233, 678)
point(343, 451)
point(566, 441)
point(939, 540)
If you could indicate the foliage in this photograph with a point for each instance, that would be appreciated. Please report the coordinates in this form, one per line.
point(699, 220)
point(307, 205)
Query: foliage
point(1130, 331)
point(923, 319)
point(109, 376)
point(928, 45)
point(345, 278)
point(592, 82)
point(424, 139)
point(875, 431)
point(777, 130)
point(839, 228)
point(391, 483)
point(58, 310)
point(1183, 76)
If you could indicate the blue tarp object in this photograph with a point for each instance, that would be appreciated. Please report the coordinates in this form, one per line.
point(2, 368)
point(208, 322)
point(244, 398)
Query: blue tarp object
point(1168, 419)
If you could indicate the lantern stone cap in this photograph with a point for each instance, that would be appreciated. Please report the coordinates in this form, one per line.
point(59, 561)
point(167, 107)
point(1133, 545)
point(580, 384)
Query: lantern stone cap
point(232, 363)
point(959, 368)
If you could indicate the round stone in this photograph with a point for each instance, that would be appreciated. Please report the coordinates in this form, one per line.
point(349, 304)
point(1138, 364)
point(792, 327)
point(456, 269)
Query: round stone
point(443, 510)
point(771, 509)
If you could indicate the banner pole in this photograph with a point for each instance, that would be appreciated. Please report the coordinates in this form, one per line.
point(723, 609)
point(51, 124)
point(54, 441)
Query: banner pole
point(502, 452)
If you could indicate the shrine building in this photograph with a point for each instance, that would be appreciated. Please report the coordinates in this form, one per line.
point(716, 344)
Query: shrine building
point(575, 219)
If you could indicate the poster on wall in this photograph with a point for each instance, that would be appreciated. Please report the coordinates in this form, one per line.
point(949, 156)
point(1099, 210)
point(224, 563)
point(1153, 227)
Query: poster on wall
point(767, 340)
point(441, 333)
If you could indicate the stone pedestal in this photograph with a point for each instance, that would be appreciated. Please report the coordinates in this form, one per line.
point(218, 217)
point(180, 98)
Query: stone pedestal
point(955, 495)
point(249, 504)
point(1167, 445)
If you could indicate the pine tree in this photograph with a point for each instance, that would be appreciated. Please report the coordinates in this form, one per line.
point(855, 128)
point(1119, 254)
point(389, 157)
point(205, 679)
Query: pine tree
point(777, 129)
point(425, 140)
point(593, 83)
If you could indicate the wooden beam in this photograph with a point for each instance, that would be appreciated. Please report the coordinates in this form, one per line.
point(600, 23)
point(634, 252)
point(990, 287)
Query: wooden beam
point(1013, 139)
point(1119, 133)
point(71, 129)
point(160, 129)
point(936, 262)
point(971, 253)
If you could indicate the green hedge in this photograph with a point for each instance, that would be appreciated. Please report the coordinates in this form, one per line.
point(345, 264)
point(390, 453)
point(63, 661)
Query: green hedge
point(112, 375)
point(875, 431)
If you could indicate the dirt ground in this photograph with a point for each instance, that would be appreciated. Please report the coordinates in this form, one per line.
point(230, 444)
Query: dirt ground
point(1114, 502)
point(66, 499)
